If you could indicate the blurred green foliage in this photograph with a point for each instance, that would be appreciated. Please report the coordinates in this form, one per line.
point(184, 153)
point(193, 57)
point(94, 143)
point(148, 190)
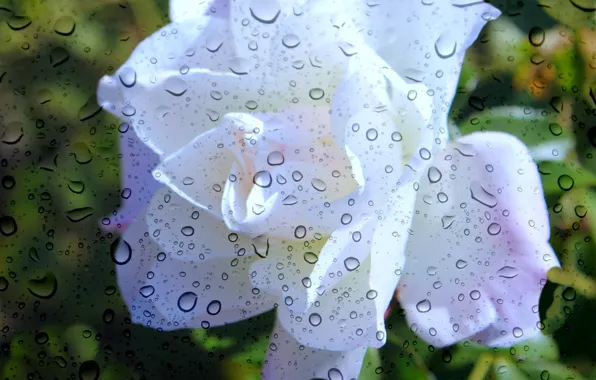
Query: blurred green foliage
point(61, 316)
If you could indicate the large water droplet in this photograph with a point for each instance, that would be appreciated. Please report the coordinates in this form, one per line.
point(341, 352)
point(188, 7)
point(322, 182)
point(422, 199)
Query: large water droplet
point(434, 174)
point(351, 263)
point(79, 214)
point(187, 301)
point(315, 319)
point(461, 264)
point(175, 86)
point(507, 272)
point(445, 46)
point(214, 307)
point(265, 11)
point(311, 257)
point(89, 370)
point(335, 374)
point(318, 184)
point(423, 306)
point(290, 41)
point(147, 291)
point(316, 93)
point(120, 251)
point(8, 226)
point(64, 26)
point(275, 158)
point(44, 287)
point(494, 228)
point(18, 23)
point(482, 196)
point(263, 179)
point(128, 77)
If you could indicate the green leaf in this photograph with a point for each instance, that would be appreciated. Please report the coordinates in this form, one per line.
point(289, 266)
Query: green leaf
point(504, 369)
point(549, 370)
point(559, 177)
point(546, 139)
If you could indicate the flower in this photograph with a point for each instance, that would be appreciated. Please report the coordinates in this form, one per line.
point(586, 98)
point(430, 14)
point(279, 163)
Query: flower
point(302, 152)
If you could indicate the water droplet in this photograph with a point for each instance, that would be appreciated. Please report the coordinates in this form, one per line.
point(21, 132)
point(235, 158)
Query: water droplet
point(569, 294)
point(3, 284)
point(315, 319)
point(434, 174)
point(396, 136)
point(44, 287)
point(13, 132)
point(18, 23)
point(423, 306)
point(76, 187)
point(565, 182)
point(447, 221)
point(42, 338)
point(89, 370)
point(175, 86)
point(187, 231)
point(461, 264)
point(475, 295)
point(297, 176)
point(64, 26)
point(120, 251)
point(8, 182)
point(371, 294)
point(187, 301)
point(300, 232)
point(537, 36)
point(239, 66)
point(263, 179)
point(147, 291)
point(372, 134)
point(306, 282)
point(214, 42)
point(126, 193)
point(494, 229)
point(8, 226)
point(316, 93)
point(289, 200)
point(214, 307)
point(476, 103)
point(251, 105)
point(518, 332)
point(351, 263)
point(425, 154)
point(346, 219)
point(482, 196)
point(90, 109)
point(290, 41)
point(58, 56)
point(275, 158)
point(318, 184)
point(79, 214)
point(335, 374)
point(265, 11)
point(445, 46)
point(311, 258)
point(431, 271)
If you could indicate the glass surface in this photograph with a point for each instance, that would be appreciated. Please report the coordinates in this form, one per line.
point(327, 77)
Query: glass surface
point(297, 189)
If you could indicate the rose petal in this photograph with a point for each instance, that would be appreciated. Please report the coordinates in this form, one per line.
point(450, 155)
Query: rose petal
point(188, 233)
point(165, 292)
point(138, 184)
point(478, 255)
point(287, 359)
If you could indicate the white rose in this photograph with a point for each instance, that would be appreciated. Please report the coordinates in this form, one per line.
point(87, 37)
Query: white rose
point(303, 151)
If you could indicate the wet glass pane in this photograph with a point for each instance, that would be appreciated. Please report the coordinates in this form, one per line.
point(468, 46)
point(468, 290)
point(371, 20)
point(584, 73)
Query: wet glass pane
point(297, 189)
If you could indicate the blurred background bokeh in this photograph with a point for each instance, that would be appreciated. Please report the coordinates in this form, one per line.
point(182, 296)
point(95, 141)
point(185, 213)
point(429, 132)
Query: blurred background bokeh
point(532, 73)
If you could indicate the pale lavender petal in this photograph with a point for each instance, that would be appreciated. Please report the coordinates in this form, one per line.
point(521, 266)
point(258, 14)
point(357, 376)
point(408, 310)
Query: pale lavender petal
point(167, 290)
point(287, 359)
point(478, 253)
